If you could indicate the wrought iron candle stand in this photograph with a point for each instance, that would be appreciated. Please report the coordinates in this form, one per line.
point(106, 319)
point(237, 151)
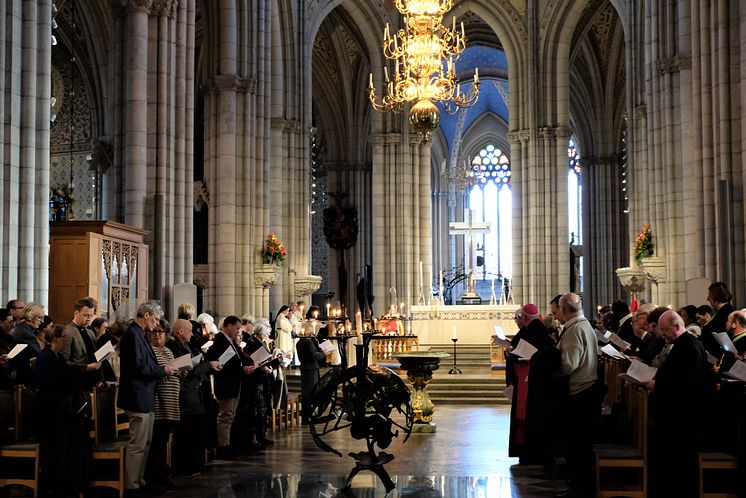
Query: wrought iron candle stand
point(367, 400)
point(455, 369)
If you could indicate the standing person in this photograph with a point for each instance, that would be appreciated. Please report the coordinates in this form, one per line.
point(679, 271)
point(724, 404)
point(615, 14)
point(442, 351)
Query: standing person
point(15, 308)
point(310, 355)
point(579, 362)
point(80, 352)
point(284, 330)
point(167, 413)
point(258, 401)
point(190, 434)
point(138, 377)
point(65, 447)
point(719, 296)
point(227, 382)
point(679, 400)
point(24, 332)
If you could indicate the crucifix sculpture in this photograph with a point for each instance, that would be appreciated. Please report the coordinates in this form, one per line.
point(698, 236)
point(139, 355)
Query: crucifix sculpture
point(467, 228)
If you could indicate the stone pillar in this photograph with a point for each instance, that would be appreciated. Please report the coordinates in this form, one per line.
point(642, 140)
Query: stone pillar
point(604, 229)
point(25, 63)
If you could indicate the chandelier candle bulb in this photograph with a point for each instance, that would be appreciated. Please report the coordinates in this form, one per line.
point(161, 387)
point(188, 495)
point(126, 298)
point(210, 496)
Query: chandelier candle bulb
point(476, 75)
point(371, 80)
point(463, 35)
point(386, 73)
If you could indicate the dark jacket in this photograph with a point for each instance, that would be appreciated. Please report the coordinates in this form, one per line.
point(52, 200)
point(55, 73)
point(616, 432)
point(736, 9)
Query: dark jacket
point(191, 394)
point(228, 379)
point(648, 348)
point(309, 353)
point(716, 324)
point(139, 372)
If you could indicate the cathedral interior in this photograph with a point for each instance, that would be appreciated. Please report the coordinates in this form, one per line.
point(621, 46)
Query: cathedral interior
point(209, 125)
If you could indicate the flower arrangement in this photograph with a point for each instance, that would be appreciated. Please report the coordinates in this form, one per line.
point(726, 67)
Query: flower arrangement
point(644, 243)
point(273, 251)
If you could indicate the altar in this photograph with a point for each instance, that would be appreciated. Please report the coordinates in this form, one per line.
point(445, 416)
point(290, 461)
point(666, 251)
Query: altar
point(474, 324)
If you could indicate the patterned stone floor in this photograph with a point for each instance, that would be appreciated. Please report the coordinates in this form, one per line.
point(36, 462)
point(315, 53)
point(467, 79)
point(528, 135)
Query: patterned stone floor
point(465, 458)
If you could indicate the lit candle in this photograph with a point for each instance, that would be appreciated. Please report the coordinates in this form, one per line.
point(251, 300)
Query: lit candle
point(358, 322)
point(374, 325)
point(454, 334)
point(316, 315)
point(371, 80)
point(386, 32)
point(476, 75)
point(462, 29)
point(328, 308)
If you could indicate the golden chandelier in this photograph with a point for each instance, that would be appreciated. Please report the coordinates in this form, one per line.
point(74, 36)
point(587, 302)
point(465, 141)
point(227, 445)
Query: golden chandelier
point(424, 53)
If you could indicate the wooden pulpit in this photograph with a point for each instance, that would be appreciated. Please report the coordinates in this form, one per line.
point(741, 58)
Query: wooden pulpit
point(102, 259)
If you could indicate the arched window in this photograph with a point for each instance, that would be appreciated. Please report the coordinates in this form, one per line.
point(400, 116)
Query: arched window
point(490, 198)
point(574, 194)
point(575, 212)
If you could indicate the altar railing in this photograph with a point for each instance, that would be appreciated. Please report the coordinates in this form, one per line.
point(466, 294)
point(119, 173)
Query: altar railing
point(383, 348)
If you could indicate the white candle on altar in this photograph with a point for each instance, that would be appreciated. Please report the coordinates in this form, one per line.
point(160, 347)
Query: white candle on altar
point(374, 324)
point(328, 308)
point(440, 287)
point(421, 281)
point(358, 322)
point(454, 333)
point(401, 309)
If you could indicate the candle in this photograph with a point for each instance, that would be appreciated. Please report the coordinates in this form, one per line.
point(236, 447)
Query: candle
point(358, 322)
point(401, 309)
point(476, 75)
point(371, 80)
point(454, 334)
point(316, 315)
point(328, 308)
point(374, 325)
point(493, 283)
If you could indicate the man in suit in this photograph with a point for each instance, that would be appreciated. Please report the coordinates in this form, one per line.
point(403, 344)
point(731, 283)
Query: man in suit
point(679, 402)
point(227, 381)
point(139, 374)
point(80, 350)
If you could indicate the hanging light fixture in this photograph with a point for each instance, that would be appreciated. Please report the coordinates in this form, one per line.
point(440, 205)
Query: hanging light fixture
point(424, 53)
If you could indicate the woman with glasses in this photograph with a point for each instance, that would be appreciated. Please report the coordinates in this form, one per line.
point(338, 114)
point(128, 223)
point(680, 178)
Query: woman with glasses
point(167, 413)
point(32, 317)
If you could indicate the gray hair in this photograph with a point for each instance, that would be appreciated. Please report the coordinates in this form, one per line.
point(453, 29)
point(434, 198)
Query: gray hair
point(570, 303)
point(248, 319)
point(204, 318)
point(151, 307)
point(262, 327)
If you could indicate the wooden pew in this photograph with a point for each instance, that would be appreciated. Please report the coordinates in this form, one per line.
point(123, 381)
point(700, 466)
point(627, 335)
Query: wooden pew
point(106, 446)
point(633, 455)
point(20, 402)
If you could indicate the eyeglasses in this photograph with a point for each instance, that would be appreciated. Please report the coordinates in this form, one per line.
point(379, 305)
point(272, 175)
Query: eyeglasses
point(40, 318)
point(18, 307)
point(158, 332)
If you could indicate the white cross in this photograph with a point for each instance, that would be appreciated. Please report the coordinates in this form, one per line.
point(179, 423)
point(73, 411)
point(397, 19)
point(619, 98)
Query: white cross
point(467, 228)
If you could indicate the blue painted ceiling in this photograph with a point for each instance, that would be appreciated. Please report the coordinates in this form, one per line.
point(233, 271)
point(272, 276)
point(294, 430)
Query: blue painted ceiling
point(489, 97)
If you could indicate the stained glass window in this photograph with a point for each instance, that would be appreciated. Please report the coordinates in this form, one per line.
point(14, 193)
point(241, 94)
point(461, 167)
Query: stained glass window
point(490, 198)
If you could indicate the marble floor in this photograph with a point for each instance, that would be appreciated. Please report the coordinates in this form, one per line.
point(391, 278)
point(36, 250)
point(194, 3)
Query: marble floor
point(465, 458)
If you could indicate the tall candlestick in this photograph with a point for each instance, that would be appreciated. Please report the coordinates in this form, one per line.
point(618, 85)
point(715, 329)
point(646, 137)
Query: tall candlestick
point(440, 287)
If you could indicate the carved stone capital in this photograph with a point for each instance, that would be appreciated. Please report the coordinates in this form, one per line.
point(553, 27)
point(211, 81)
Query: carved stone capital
point(632, 279)
point(513, 137)
point(654, 268)
point(201, 276)
point(222, 82)
point(524, 135)
point(306, 285)
point(674, 64)
point(546, 133)
point(265, 276)
point(278, 124)
point(201, 196)
point(133, 5)
point(641, 111)
point(562, 132)
point(165, 8)
point(378, 139)
point(393, 138)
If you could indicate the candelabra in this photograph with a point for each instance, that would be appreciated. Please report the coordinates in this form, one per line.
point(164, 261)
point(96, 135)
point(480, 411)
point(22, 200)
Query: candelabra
point(455, 369)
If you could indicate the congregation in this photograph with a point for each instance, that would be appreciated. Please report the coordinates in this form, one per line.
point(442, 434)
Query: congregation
point(193, 384)
point(694, 404)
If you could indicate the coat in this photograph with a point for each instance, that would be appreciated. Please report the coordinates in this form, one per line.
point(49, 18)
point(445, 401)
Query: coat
point(139, 372)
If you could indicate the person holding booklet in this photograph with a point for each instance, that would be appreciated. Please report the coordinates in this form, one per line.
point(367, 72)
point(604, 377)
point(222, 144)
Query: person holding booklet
point(311, 356)
point(579, 362)
point(681, 396)
point(224, 351)
point(256, 391)
point(190, 436)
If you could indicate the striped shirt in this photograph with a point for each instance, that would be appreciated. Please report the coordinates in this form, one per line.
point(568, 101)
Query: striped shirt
point(167, 389)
